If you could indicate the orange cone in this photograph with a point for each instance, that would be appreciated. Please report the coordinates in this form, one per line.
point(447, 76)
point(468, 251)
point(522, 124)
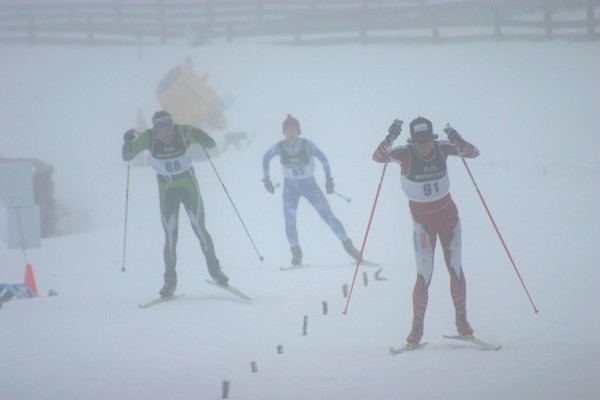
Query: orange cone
point(30, 280)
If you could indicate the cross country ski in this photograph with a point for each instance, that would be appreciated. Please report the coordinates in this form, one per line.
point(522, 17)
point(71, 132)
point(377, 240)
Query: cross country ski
point(407, 347)
point(290, 267)
point(367, 263)
point(231, 290)
point(159, 300)
point(364, 263)
point(473, 340)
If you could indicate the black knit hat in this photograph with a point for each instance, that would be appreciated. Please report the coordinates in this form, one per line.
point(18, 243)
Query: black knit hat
point(162, 119)
point(421, 129)
point(160, 114)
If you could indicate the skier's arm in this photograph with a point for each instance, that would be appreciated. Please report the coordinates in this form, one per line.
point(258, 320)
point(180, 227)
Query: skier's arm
point(467, 150)
point(315, 151)
point(272, 152)
point(461, 146)
point(319, 155)
point(382, 154)
point(198, 136)
point(134, 145)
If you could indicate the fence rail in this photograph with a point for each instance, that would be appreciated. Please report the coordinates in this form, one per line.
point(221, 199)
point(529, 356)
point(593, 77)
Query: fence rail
point(298, 22)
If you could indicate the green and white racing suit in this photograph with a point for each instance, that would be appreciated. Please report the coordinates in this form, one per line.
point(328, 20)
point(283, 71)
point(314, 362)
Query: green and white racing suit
point(177, 185)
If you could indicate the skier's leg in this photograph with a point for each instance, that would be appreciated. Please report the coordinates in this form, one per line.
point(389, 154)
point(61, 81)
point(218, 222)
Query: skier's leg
point(169, 213)
point(194, 206)
point(317, 199)
point(424, 247)
point(450, 239)
point(291, 197)
point(420, 299)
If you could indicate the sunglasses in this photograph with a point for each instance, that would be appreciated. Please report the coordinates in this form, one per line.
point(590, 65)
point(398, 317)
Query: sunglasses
point(422, 140)
point(161, 123)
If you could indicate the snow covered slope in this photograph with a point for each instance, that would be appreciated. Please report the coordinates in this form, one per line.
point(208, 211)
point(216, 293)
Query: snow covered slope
point(532, 109)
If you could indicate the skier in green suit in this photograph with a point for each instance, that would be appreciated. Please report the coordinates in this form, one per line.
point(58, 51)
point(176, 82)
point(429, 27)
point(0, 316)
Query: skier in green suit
point(169, 145)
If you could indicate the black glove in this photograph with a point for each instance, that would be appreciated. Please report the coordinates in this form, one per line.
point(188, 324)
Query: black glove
point(129, 135)
point(394, 131)
point(329, 185)
point(269, 185)
point(454, 137)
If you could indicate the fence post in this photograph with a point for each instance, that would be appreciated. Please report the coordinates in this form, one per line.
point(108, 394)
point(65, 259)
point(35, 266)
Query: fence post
point(258, 22)
point(162, 21)
point(118, 6)
point(547, 19)
point(297, 29)
point(363, 22)
point(497, 23)
point(209, 17)
point(229, 31)
point(30, 27)
point(590, 20)
point(435, 25)
point(90, 30)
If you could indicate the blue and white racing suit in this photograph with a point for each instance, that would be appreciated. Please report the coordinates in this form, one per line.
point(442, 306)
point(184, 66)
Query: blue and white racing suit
point(298, 165)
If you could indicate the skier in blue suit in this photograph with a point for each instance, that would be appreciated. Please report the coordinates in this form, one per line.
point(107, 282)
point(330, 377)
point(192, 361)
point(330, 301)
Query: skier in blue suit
point(297, 160)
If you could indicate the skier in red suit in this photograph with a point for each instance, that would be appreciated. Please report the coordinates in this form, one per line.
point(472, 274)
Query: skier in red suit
point(424, 179)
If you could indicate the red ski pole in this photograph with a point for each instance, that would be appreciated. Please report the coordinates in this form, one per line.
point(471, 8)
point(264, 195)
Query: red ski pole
point(499, 234)
point(362, 249)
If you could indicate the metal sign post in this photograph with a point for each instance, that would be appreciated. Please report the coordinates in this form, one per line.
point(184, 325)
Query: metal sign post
point(16, 191)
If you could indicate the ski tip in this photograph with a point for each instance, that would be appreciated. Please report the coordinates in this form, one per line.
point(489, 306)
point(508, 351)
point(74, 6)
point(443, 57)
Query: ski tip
point(483, 345)
point(365, 263)
point(232, 290)
point(159, 300)
point(451, 336)
point(407, 347)
point(290, 267)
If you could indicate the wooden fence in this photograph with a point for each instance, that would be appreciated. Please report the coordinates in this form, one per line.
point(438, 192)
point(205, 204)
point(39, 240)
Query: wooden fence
point(123, 22)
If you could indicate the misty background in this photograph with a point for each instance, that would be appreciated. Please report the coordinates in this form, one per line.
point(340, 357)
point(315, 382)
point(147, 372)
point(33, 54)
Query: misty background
point(531, 107)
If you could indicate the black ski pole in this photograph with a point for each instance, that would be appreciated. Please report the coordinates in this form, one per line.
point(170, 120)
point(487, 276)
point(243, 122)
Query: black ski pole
point(126, 209)
point(232, 204)
point(348, 199)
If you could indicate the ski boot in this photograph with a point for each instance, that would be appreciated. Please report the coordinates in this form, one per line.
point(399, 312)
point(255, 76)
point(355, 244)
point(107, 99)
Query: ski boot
point(217, 274)
point(350, 249)
point(296, 255)
point(462, 325)
point(416, 333)
point(170, 285)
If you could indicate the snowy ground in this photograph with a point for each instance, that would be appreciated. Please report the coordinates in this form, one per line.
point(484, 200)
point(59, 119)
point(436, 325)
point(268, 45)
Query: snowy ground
point(532, 109)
